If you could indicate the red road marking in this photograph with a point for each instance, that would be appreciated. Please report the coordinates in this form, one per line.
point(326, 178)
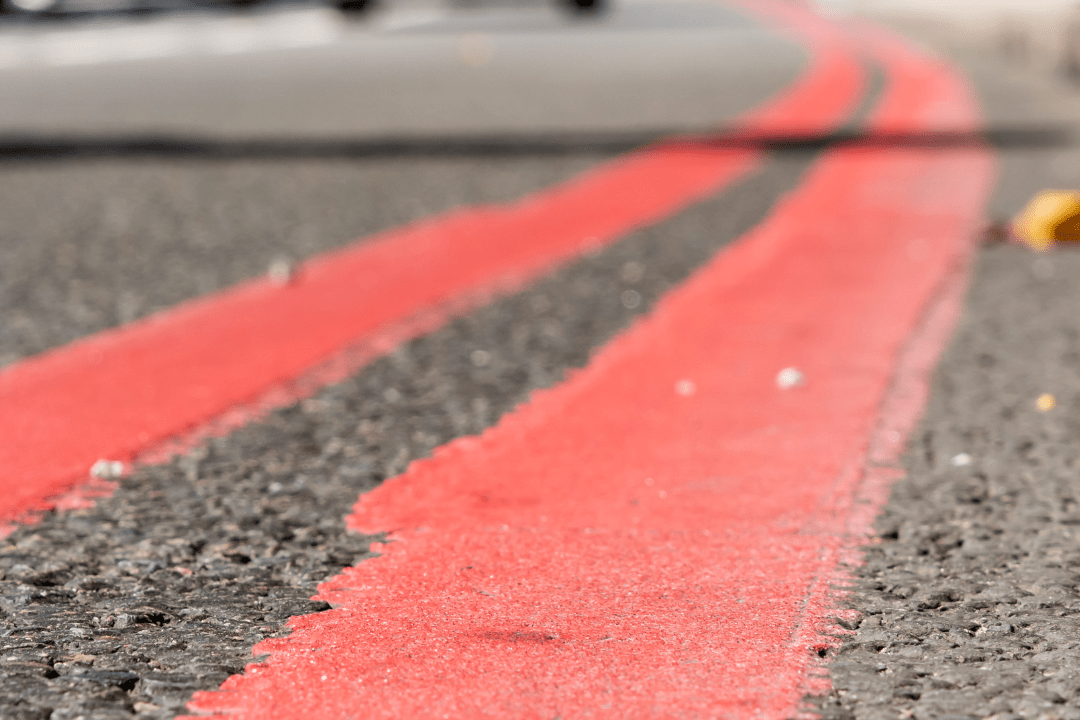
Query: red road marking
point(619, 549)
point(118, 393)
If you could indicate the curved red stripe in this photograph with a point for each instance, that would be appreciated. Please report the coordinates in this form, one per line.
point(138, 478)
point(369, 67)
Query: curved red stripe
point(120, 392)
point(656, 537)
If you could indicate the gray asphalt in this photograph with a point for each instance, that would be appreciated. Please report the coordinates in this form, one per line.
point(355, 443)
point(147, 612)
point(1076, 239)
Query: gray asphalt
point(103, 236)
point(413, 71)
point(970, 604)
point(161, 590)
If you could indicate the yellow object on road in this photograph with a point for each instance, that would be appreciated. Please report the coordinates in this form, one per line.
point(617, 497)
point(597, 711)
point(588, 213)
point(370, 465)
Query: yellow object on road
point(1051, 216)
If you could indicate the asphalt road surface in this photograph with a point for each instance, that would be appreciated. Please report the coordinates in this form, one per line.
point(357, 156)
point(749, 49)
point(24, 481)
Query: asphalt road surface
point(144, 162)
point(970, 599)
point(129, 183)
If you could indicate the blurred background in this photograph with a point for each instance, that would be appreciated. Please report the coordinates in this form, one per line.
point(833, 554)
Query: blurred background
point(156, 150)
point(152, 151)
point(1044, 32)
point(399, 68)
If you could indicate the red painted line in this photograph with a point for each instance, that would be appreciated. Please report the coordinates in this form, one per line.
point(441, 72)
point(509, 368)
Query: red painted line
point(656, 536)
point(118, 393)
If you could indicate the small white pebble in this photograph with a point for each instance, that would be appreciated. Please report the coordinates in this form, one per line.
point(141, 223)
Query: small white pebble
point(107, 469)
point(480, 358)
point(790, 377)
point(961, 460)
point(323, 677)
point(686, 388)
point(280, 272)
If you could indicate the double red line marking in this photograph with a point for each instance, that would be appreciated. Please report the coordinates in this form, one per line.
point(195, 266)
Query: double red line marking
point(656, 537)
point(208, 364)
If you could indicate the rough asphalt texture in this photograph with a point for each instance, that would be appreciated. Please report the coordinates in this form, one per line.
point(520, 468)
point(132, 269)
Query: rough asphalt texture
point(91, 242)
point(130, 606)
point(970, 602)
point(96, 243)
point(162, 589)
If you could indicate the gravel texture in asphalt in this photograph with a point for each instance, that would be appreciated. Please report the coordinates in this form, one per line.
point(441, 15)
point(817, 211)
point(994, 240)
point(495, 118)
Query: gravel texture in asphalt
point(969, 603)
point(91, 244)
point(128, 607)
point(245, 111)
point(970, 600)
point(162, 589)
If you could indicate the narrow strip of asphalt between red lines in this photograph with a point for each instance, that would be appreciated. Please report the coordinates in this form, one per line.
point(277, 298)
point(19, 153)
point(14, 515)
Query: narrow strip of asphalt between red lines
point(657, 535)
point(213, 363)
